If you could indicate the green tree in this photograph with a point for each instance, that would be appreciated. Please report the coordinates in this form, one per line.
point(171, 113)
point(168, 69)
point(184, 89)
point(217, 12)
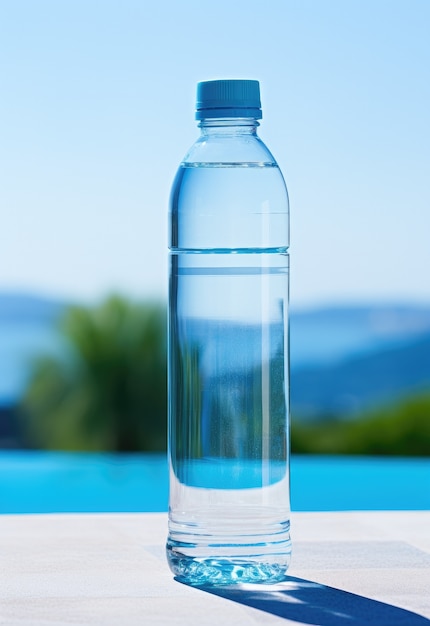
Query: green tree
point(401, 429)
point(108, 390)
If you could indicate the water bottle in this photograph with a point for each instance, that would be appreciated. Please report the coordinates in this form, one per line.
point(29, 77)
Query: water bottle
point(229, 513)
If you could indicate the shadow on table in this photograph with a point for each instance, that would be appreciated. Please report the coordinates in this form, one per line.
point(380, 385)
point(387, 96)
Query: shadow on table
point(312, 603)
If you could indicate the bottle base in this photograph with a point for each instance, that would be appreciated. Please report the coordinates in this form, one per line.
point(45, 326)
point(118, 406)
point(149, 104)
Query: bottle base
point(231, 570)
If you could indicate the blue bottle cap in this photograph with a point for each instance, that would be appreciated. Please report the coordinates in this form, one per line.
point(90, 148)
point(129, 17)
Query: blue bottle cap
point(228, 98)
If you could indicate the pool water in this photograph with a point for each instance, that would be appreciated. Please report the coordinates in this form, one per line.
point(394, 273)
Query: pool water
point(44, 482)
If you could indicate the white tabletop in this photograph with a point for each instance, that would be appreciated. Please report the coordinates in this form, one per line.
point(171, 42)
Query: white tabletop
point(348, 569)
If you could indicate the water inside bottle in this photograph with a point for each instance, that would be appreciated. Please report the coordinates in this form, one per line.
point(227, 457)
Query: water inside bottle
point(228, 406)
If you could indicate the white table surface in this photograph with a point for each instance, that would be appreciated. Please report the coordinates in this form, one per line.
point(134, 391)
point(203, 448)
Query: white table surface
point(348, 569)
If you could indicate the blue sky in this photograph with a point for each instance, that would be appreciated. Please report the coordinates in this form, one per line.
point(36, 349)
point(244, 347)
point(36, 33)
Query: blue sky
point(97, 110)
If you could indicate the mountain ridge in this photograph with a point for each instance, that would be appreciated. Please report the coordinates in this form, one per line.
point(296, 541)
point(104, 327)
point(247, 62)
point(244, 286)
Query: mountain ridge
point(360, 382)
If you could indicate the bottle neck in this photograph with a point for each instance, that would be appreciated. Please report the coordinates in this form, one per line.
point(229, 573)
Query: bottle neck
point(228, 126)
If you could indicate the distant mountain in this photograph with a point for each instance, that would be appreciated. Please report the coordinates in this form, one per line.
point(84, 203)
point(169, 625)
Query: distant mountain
point(359, 382)
point(331, 334)
point(27, 329)
point(27, 308)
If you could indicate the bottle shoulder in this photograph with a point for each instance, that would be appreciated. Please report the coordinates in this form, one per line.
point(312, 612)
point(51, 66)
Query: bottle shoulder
point(234, 150)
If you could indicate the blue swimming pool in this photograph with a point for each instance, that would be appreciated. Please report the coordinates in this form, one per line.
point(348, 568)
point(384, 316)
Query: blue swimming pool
point(41, 482)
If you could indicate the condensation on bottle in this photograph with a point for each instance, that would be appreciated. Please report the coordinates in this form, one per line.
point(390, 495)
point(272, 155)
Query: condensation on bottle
point(229, 502)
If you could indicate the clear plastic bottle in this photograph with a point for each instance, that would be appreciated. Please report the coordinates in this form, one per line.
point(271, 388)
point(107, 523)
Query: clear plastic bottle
point(229, 514)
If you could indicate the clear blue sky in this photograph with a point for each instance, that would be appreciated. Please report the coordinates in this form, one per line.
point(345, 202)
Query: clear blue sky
point(97, 110)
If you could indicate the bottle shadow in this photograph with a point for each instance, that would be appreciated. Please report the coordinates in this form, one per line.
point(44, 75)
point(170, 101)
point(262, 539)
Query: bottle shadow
point(309, 602)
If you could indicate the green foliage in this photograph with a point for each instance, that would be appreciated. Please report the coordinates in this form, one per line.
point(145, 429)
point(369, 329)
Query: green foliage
point(186, 401)
point(402, 429)
point(109, 392)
